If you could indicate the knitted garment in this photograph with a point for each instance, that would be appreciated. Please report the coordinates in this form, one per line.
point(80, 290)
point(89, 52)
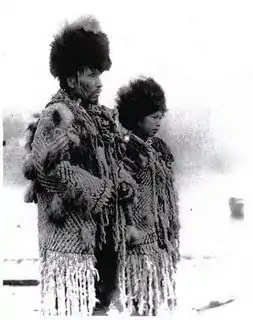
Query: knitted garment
point(76, 174)
point(147, 283)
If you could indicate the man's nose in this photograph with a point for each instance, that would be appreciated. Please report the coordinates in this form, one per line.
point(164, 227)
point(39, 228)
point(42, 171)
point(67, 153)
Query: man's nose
point(99, 83)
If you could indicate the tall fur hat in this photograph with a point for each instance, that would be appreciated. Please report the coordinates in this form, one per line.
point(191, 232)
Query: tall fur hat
point(140, 98)
point(79, 44)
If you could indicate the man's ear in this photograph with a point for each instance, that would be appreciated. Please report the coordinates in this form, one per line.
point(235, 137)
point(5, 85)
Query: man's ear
point(71, 82)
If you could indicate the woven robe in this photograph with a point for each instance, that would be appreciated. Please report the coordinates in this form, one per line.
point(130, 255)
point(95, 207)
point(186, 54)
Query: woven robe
point(147, 283)
point(76, 172)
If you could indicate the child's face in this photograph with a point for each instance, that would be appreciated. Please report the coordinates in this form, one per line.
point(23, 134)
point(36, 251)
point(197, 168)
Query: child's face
point(150, 125)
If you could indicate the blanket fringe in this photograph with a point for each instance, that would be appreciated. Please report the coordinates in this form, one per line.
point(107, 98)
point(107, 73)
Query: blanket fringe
point(68, 284)
point(147, 285)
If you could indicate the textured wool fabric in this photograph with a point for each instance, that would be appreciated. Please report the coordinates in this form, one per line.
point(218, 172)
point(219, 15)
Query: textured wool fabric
point(77, 178)
point(147, 283)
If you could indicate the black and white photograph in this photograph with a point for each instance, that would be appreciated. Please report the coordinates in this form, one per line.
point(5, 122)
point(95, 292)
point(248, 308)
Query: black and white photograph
point(126, 159)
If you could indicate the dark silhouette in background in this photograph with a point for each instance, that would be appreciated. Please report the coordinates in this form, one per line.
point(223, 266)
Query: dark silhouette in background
point(237, 208)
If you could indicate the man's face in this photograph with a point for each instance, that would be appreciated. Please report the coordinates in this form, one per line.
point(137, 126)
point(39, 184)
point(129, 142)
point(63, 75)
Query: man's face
point(88, 85)
point(150, 125)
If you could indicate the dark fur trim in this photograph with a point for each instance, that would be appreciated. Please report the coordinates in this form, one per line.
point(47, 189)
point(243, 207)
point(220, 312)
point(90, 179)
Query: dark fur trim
point(140, 98)
point(50, 162)
point(29, 170)
point(32, 127)
point(133, 235)
point(57, 215)
point(82, 202)
point(88, 238)
point(78, 46)
point(56, 117)
point(73, 137)
point(127, 187)
point(30, 195)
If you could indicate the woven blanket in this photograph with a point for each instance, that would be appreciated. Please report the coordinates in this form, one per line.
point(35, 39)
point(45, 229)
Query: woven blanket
point(77, 178)
point(152, 234)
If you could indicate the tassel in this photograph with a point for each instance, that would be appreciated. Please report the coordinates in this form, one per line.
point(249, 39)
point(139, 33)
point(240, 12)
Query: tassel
point(105, 197)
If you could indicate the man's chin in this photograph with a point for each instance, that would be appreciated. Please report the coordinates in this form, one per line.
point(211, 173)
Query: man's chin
point(93, 100)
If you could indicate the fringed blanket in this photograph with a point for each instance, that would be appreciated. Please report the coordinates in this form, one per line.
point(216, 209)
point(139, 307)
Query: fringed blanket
point(74, 164)
point(147, 284)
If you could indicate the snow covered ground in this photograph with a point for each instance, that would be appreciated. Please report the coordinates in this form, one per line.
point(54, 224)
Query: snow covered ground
point(217, 263)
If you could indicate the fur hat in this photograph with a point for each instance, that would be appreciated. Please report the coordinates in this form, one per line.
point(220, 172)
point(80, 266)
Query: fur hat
point(79, 44)
point(140, 98)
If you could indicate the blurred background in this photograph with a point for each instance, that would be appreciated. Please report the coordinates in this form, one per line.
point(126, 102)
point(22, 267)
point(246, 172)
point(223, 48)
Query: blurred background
point(202, 54)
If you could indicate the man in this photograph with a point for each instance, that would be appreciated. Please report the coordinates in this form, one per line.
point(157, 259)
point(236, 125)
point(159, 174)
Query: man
point(78, 181)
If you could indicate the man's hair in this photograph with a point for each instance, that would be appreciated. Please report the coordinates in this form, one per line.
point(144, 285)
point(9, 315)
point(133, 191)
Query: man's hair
point(140, 98)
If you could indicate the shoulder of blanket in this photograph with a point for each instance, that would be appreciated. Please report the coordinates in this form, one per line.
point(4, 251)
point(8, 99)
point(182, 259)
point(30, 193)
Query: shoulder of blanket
point(105, 109)
point(162, 147)
point(107, 112)
point(136, 148)
point(56, 114)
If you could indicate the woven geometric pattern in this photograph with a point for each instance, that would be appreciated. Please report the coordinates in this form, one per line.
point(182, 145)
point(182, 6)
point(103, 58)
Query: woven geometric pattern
point(66, 239)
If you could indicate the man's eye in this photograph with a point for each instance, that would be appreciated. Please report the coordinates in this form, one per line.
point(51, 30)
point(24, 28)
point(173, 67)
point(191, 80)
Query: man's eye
point(94, 74)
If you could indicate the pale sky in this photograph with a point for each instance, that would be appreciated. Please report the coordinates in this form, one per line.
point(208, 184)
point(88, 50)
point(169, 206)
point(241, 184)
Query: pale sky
point(200, 51)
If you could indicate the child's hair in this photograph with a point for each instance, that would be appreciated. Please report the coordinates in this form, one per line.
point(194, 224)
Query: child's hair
point(140, 98)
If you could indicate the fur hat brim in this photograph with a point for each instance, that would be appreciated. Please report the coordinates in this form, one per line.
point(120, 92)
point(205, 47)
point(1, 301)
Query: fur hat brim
point(79, 45)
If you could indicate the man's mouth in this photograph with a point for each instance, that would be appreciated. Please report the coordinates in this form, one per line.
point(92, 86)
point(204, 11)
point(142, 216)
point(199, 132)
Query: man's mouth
point(97, 92)
point(95, 95)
